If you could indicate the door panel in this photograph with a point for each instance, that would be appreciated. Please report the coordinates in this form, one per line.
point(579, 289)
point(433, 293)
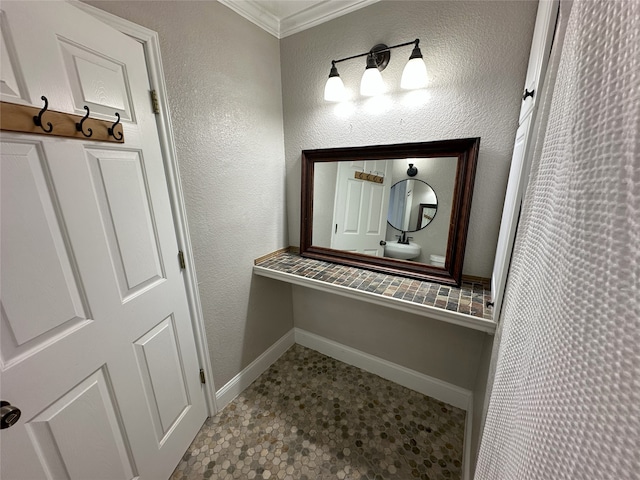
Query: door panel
point(376, 208)
point(11, 79)
point(351, 222)
point(121, 183)
point(163, 376)
point(80, 435)
point(96, 81)
point(107, 377)
point(34, 253)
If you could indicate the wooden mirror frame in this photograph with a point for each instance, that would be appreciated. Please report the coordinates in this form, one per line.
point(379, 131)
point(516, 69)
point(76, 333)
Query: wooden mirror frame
point(466, 151)
point(421, 208)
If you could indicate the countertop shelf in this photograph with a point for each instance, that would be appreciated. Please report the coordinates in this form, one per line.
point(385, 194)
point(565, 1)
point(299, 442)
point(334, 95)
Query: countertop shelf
point(464, 306)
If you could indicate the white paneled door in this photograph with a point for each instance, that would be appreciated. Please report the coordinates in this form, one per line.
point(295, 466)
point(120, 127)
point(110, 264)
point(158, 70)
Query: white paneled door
point(361, 208)
point(96, 342)
point(523, 149)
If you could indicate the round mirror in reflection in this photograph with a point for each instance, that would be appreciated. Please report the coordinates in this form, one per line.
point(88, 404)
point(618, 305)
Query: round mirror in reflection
point(412, 205)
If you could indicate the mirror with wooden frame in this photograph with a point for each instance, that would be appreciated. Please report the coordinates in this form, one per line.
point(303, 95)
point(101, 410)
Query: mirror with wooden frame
point(351, 215)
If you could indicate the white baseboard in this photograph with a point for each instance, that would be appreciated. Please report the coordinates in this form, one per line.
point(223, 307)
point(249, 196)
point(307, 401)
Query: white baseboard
point(247, 376)
point(432, 387)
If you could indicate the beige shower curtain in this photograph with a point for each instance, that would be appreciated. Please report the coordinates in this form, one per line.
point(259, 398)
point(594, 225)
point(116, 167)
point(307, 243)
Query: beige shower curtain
point(565, 400)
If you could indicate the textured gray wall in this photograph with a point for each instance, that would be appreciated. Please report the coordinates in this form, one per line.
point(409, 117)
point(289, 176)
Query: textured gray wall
point(476, 54)
point(226, 100)
point(435, 348)
point(224, 89)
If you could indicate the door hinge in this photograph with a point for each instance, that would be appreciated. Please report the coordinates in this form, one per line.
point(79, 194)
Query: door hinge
point(154, 102)
point(528, 93)
point(202, 379)
point(181, 260)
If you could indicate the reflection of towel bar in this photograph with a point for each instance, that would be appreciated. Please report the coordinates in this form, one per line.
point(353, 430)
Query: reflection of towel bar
point(369, 177)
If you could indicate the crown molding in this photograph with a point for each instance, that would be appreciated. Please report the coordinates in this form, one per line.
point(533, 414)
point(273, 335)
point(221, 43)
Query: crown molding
point(319, 13)
point(316, 14)
point(252, 11)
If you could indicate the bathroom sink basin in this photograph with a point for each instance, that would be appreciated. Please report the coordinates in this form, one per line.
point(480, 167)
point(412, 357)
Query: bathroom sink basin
point(402, 251)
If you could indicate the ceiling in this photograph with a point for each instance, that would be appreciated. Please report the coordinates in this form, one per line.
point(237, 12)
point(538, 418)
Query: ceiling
point(282, 18)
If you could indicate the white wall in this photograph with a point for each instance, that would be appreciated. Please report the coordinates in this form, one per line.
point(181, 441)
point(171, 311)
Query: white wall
point(224, 88)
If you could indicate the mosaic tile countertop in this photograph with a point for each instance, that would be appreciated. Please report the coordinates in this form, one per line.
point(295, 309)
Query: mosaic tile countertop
point(469, 299)
point(310, 417)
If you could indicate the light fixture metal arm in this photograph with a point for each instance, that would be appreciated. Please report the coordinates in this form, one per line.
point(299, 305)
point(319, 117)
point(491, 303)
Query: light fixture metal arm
point(386, 49)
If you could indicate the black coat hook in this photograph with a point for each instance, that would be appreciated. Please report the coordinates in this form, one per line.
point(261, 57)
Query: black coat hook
point(79, 125)
point(37, 119)
point(111, 130)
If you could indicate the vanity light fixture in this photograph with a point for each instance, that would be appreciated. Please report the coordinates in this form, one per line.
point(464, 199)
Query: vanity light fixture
point(414, 74)
point(371, 83)
point(412, 171)
point(334, 88)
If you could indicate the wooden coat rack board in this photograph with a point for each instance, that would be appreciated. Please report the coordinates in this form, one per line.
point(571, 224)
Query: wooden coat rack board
point(19, 118)
point(369, 177)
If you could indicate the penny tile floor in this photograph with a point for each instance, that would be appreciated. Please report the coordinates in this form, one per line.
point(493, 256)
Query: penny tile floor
point(312, 417)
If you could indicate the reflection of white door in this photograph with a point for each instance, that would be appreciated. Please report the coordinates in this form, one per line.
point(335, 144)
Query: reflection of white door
point(361, 207)
point(97, 348)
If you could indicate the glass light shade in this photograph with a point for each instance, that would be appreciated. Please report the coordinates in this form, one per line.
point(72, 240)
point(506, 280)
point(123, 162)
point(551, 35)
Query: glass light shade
point(371, 83)
point(334, 90)
point(414, 74)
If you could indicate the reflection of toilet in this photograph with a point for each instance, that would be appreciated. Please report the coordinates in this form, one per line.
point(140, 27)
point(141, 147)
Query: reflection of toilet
point(437, 260)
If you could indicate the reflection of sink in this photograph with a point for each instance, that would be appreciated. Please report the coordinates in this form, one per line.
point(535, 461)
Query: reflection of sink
point(402, 250)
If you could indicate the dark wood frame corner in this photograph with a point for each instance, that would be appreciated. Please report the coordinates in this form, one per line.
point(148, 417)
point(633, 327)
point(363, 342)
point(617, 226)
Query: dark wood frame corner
point(421, 210)
point(464, 149)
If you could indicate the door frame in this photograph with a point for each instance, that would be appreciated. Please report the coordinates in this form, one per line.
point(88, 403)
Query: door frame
point(151, 45)
point(543, 38)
